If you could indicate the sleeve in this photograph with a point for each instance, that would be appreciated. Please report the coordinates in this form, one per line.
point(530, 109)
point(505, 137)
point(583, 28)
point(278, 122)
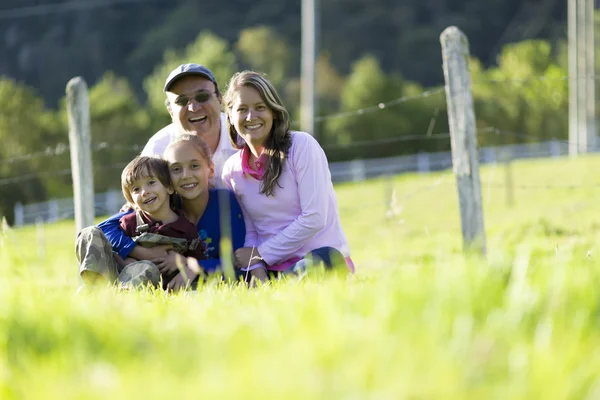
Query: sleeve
point(238, 224)
point(309, 164)
point(250, 238)
point(226, 175)
point(126, 225)
point(158, 142)
point(120, 242)
point(150, 149)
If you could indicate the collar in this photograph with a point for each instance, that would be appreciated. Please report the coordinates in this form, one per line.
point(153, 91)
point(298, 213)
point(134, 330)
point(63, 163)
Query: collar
point(178, 225)
point(224, 134)
point(259, 165)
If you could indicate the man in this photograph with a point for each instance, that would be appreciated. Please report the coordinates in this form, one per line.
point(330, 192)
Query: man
point(194, 103)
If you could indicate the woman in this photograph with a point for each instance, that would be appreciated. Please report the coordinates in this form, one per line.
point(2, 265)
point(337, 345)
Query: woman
point(215, 212)
point(282, 181)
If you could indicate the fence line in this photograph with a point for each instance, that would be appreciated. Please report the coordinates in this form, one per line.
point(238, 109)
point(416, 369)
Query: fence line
point(59, 209)
point(62, 148)
point(346, 171)
point(380, 106)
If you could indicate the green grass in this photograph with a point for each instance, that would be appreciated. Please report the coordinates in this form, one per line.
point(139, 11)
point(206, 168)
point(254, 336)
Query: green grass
point(419, 320)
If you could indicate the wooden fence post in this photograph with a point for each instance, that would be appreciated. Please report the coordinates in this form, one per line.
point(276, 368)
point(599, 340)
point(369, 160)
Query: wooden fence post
point(463, 135)
point(78, 109)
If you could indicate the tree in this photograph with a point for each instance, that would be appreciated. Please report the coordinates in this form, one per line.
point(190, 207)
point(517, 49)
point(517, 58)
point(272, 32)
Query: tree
point(364, 120)
point(525, 96)
point(263, 50)
point(329, 84)
point(120, 128)
point(29, 134)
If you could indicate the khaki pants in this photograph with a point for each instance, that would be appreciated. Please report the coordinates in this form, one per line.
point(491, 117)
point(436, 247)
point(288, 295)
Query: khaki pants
point(97, 260)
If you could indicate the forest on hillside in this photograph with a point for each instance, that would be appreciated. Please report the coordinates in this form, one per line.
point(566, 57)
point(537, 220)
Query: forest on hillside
point(48, 42)
point(379, 75)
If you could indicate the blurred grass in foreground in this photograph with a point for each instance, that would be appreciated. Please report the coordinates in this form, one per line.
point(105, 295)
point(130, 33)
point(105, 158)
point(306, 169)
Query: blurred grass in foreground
point(419, 320)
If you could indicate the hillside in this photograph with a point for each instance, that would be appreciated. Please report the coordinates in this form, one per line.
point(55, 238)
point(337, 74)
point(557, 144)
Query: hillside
point(46, 42)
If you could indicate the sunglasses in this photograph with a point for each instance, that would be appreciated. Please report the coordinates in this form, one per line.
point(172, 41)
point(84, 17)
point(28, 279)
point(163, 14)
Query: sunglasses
point(200, 97)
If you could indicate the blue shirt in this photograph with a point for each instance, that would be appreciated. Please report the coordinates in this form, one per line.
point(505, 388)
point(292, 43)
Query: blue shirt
point(210, 229)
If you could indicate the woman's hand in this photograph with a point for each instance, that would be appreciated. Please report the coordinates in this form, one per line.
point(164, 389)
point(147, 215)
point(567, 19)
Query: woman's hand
point(246, 256)
point(182, 280)
point(168, 264)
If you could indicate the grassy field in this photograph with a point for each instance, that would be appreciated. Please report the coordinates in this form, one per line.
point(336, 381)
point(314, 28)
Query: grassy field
point(419, 320)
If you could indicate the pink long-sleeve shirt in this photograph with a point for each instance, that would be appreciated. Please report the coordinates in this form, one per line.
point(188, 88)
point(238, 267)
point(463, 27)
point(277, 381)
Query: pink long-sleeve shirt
point(301, 216)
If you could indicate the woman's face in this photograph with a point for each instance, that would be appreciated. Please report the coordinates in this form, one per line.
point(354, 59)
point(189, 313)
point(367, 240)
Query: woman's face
point(250, 116)
point(190, 171)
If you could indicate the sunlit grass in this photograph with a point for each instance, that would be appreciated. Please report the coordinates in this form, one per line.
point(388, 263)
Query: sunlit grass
point(418, 320)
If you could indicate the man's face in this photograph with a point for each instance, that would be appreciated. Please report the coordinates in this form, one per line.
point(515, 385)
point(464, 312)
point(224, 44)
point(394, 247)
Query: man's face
point(194, 106)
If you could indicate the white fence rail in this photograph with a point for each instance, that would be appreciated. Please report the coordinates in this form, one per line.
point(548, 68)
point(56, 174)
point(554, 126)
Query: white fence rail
point(58, 209)
point(357, 170)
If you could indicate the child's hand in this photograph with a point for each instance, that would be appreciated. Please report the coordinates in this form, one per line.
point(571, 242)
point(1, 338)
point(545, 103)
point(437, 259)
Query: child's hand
point(168, 265)
point(126, 207)
point(181, 280)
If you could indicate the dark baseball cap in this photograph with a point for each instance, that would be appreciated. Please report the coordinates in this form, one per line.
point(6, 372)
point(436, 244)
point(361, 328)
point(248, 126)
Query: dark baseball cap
point(189, 69)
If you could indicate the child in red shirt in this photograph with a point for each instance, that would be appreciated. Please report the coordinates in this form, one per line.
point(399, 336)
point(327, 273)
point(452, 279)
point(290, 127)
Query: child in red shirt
point(147, 187)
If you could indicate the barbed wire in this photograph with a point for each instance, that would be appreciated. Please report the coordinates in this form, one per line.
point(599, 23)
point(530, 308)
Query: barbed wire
point(363, 143)
point(439, 89)
point(437, 165)
point(58, 149)
point(47, 174)
point(498, 131)
point(34, 175)
point(377, 107)
point(535, 78)
point(376, 142)
point(61, 148)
